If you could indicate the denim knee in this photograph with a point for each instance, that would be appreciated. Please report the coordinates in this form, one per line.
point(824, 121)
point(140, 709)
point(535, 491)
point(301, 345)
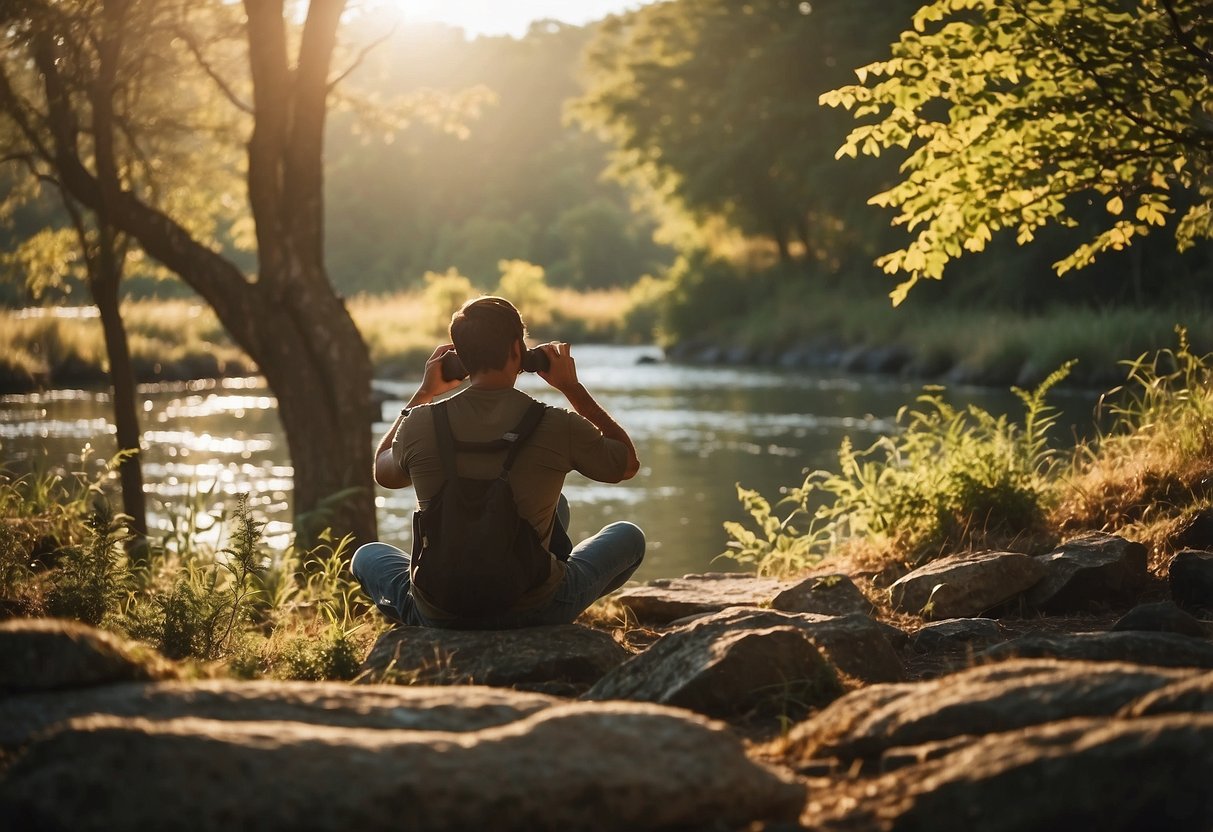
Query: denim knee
point(631, 534)
point(365, 555)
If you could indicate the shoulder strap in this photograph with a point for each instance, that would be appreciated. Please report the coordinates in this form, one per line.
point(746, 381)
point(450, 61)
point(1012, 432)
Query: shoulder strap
point(513, 440)
point(445, 440)
point(519, 435)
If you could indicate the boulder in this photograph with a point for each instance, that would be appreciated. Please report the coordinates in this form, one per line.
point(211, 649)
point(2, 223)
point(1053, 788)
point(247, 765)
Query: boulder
point(823, 595)
point(585, 766)
point(564, 659)
point(961, 586)
point(720, 669)
point(956, 633)
point(867, 723)
point(41, 654)
point(1093, 571)
point(466, 708)
point(668, 599)
point(1195, 532)
point(1161, 617)
point(1191, 578)
point(857, 646)
point(1087, 773)
point(1159, 649)
point(1191, 695)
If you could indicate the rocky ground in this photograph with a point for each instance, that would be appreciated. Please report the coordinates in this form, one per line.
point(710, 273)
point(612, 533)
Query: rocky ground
point(992, 691)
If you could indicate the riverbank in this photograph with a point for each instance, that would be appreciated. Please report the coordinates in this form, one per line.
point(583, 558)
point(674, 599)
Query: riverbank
point(178, 340)
point(941, 344)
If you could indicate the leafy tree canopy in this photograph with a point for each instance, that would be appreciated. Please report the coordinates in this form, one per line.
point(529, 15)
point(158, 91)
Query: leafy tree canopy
point(1016, 113)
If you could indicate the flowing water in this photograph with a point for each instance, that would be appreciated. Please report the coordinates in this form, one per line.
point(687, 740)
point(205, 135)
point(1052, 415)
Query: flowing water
point(698, 431)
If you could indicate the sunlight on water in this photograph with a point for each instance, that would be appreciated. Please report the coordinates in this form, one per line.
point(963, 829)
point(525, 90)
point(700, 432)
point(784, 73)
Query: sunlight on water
point(699, 431)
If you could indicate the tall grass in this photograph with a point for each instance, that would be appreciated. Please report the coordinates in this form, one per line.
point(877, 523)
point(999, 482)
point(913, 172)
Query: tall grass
point(954, 480)
point(1148, 471)
point(294, 616)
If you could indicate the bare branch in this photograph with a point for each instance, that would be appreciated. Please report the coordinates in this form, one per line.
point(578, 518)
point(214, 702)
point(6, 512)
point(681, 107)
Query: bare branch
point(224, 87)
point(360, 57)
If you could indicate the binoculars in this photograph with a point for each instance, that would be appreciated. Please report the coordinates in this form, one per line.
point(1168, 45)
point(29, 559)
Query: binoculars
point(534, 360)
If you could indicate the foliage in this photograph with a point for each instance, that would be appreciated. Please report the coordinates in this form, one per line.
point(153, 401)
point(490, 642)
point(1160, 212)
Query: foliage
point(444, 293)
point(951, 479)
point(712, 105)
point(1015, 112)
point(92, 578)
point(523, 284)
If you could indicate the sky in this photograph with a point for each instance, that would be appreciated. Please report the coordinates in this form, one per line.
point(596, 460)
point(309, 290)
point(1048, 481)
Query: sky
point(505, 17)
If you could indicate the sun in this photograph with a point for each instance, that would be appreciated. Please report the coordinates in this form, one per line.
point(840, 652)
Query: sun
point(500, 17)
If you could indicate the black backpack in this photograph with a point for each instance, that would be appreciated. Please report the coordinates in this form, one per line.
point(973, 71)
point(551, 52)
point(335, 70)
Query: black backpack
point(473, 555)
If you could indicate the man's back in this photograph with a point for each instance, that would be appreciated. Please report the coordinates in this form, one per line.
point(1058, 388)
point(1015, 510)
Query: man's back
point(563, 442)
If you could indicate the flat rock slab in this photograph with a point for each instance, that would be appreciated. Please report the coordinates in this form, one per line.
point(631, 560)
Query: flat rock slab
point(1191, 695)
point(1092, 773)
point(867, 723)
point(669, 599)
point(957, 633)
point(584, 766)
point(465, 708)
point(1094, 571)
point(42, 654)
point(564, 660)
point(963, 586)
point(857, 646)
point(1160, 649)
point(720, 669)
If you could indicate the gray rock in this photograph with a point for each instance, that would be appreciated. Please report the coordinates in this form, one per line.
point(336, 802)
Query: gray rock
point(823, 595)
point(465, 708)
point(1195, 532)
point(855, 644)
point(1090, 572)
point(720, 669)
point(1159, 649)
point(965, 585)
point(955, 633)
point(1191, 695)
point(563, 660)
point(1191, 577)
point(42, 654)
point(867, 722)
point(669, 599)
point(585, 766)
point(1093, 773)
point(1162, 617)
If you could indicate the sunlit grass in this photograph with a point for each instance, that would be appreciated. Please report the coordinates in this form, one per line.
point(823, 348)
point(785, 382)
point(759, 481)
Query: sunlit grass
point(1148, 471)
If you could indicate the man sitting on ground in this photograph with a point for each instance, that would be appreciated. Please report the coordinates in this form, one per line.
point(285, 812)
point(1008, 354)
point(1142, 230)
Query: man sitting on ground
point(488, 335)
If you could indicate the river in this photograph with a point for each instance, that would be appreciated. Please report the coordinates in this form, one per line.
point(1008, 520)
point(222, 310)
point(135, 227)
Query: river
point(698, 431)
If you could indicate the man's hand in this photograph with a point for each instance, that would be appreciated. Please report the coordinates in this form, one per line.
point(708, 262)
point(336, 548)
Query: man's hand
point(433, 384)
point(562, 370)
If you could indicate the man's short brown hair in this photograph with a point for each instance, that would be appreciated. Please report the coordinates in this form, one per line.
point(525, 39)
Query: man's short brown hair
point(483, 330)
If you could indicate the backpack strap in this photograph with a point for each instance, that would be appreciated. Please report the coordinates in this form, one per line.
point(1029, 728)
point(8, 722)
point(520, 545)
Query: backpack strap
point(512, 440)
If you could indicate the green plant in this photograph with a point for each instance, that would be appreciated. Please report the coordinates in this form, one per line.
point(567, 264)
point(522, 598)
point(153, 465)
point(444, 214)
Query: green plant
point(951, 478)
point(92, 579)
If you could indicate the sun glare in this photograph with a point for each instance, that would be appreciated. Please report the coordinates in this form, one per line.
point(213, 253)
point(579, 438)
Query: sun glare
point(493, 17)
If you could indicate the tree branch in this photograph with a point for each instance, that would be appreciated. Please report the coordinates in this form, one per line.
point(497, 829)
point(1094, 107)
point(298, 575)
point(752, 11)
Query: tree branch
point(1186, 40)
point(225, 88)
point(359, 58)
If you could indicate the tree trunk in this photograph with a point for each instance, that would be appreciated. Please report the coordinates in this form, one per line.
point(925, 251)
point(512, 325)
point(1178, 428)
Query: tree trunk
point(103, 283)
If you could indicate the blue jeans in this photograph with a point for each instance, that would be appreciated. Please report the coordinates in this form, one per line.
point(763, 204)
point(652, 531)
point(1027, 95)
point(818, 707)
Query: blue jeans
point(597, 565)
